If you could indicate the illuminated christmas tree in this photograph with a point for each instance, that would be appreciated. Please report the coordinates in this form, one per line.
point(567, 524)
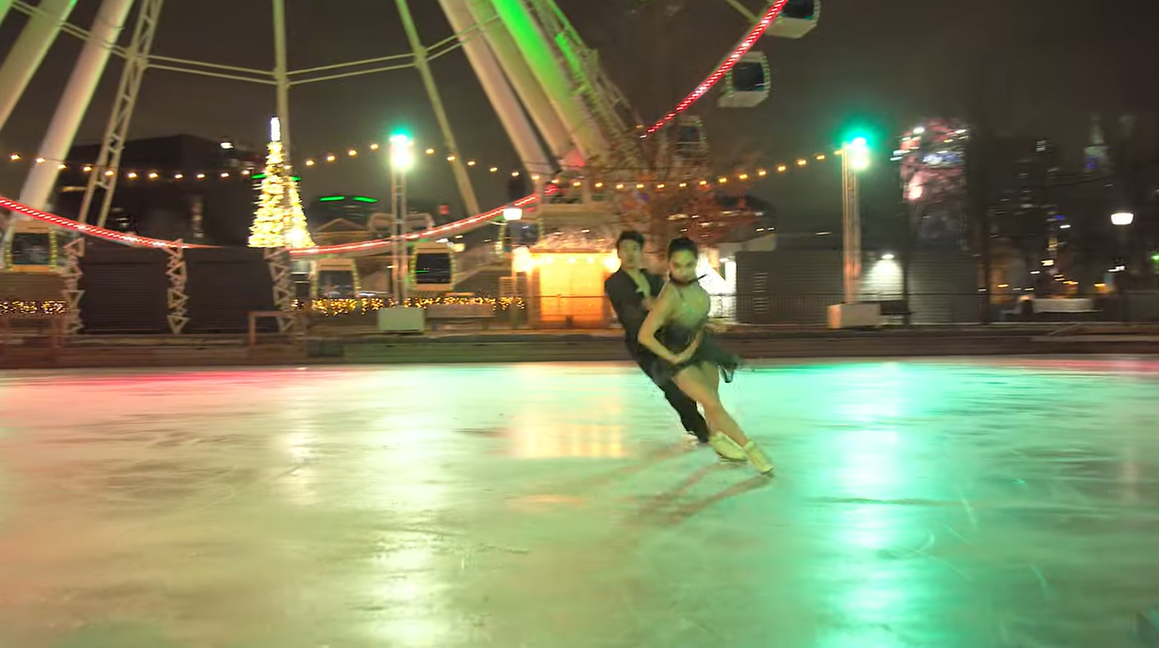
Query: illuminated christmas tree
point(279, 220)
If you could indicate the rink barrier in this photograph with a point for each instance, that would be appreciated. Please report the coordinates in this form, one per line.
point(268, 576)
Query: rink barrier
point(224, 287)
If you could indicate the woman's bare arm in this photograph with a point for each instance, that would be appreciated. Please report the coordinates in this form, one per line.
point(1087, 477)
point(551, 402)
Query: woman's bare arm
point(657, 316)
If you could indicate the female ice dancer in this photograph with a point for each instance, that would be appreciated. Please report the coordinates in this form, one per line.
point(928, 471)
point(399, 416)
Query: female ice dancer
point(675, 330)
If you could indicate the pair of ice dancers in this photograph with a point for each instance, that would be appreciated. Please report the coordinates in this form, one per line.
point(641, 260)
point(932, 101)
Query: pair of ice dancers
point(667, 330)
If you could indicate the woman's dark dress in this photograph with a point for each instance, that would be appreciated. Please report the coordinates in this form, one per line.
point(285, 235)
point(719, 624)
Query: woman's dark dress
point(676, 336)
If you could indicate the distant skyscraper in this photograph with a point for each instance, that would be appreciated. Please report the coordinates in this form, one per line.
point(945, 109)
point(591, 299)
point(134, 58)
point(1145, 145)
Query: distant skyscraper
point(1098, 159)
point(1023, 178)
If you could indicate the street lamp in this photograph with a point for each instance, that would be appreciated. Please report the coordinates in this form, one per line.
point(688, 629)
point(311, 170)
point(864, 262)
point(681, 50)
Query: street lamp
point(512, 213)
point(402, 159)
point(1121, 220)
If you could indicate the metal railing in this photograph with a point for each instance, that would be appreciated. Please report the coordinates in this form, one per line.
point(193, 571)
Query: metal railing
point(469, 262)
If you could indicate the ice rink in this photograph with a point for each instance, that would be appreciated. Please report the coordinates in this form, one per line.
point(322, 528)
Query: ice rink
point(969, 503)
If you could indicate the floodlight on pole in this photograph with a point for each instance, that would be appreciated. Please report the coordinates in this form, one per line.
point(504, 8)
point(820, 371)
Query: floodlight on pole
point(857, 154)
point(1122, 219)
point(512, 213)
point(401, 152)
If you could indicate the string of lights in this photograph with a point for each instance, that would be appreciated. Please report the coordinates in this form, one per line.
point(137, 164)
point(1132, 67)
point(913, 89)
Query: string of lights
point(350, 153)
point(742, 175)
point(33, 309)
point(712, 182)
point(556, 186)
point(338, 307)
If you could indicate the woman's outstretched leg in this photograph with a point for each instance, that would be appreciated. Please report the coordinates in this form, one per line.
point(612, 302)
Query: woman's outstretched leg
point(723, 444)
point(700, 387)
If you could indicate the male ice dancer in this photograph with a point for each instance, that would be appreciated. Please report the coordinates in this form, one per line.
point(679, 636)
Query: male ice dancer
point(632, 290)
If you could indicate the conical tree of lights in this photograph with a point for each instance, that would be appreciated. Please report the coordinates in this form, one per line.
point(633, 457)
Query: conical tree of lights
point(279, 220)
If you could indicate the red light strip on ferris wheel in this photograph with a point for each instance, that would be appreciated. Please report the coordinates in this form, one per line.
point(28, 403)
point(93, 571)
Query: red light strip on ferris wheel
point(362, 247)
point(745, 45)
point(92, 230)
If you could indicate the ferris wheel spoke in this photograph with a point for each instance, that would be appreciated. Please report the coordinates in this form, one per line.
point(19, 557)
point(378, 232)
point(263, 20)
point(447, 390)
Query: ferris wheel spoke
point(749, 15)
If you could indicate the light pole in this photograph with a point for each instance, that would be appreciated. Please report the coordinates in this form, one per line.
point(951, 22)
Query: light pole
point(1122, 220)
point(401, 160)
point(511, 213)
point(854, 160)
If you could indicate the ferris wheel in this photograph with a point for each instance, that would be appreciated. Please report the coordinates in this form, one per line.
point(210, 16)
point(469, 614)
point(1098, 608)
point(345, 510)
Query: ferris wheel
point(556, 104)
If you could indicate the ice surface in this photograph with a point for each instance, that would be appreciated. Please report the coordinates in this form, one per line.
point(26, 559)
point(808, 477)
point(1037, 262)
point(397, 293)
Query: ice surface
point(947, 503)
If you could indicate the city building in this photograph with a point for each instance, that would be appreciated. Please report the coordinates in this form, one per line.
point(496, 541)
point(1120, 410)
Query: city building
point(1023, 177)
point(182, 186)
point(352, 208)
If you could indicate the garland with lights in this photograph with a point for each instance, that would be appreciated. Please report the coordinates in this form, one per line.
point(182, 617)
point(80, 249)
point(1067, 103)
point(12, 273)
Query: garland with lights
point(340, 307)
point(33, 309)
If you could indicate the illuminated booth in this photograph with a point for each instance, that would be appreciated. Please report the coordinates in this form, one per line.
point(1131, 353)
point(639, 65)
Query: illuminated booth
point(566, 269)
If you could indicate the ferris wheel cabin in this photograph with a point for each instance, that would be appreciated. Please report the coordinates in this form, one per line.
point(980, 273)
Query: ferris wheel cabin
point(336, 278)
point(798, 18)
point(691, 141)
point(747, 84)
point(33, 252)
point(433, 267)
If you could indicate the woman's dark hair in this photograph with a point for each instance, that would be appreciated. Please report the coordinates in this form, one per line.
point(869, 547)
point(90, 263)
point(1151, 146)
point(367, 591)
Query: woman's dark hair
point(685, 244)
point(630, 235)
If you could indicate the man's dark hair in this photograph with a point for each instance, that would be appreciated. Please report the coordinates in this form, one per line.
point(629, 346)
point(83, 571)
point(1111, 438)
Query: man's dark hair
point(683, 243)
point(630, 235)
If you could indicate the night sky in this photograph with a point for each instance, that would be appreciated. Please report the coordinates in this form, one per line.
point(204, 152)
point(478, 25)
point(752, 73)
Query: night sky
point(1048, 64)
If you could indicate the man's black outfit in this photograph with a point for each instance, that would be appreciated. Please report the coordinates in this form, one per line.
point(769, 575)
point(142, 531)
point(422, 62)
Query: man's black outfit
point(628, 302)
